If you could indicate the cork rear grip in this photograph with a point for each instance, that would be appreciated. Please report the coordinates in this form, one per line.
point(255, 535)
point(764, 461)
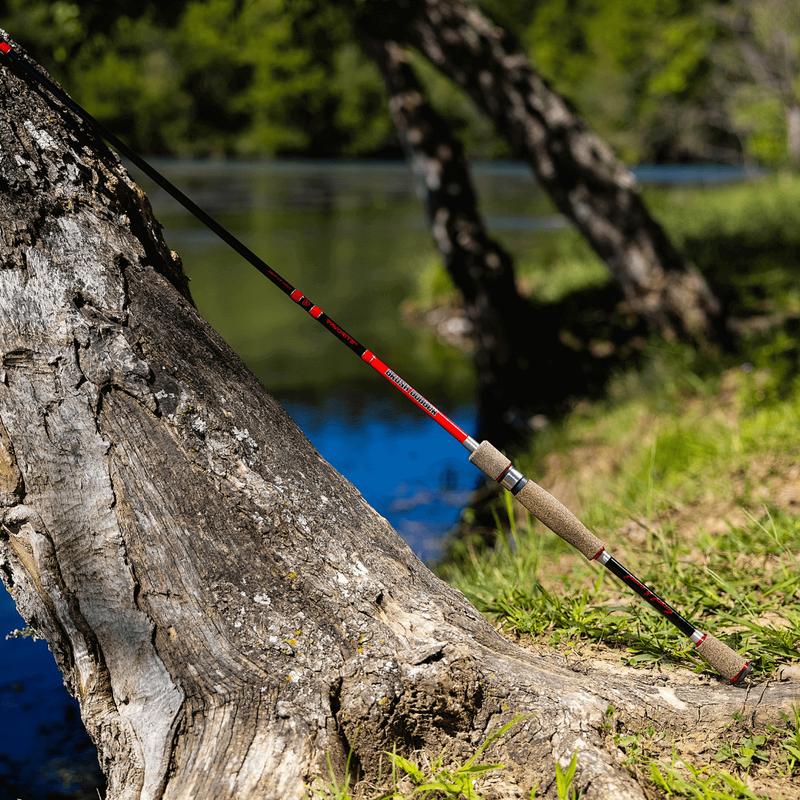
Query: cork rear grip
point(559, 519)
point(727, 662)
point(563, 522)
point(540, 503)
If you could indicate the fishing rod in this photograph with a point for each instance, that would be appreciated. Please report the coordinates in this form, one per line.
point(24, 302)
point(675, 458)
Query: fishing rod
point(539, 502)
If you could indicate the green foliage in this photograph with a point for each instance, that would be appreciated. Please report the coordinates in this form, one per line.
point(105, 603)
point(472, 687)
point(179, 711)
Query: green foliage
point(284, 92)
point(790, 744)
point(475, 130)
point(629, 65)
point(759, 63)
point(58, 25)
point(662, 79)
point(436, 778)
point(213, 77)
point(749, 757)
point(564, 779)
point(145, 98)
point(438, 781)
point(360, 112)
point(745, 752)
point(761, 120)
point(685, 780)
point(744, 237)
point(671, 79)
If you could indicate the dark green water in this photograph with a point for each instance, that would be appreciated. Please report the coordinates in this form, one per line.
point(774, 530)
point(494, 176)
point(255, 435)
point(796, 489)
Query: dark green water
point(351, 239)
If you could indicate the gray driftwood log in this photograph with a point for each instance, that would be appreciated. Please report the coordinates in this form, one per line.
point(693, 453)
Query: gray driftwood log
point(226, 608)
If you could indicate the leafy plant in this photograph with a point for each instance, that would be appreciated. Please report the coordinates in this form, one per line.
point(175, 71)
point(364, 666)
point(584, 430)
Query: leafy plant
point(790, 744)
point(436, 780)
point(684, 780)
point(750, 749)
point(564, 779)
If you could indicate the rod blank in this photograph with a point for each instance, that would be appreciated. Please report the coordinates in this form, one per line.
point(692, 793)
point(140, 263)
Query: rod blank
point(485, 456)
point(559, 519)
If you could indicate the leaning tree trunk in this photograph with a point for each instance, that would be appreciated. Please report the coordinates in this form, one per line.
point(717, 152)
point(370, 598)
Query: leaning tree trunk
point(574, 166)
point(479, 266)
point(226, 608)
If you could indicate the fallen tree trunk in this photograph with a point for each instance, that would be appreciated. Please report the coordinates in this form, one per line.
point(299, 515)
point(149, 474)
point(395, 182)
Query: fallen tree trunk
point(226, 608)
point(587, 183)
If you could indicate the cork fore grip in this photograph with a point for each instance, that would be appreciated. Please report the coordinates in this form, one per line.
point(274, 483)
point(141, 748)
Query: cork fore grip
point(725, 661)
point(490, 460)
point(540, 503)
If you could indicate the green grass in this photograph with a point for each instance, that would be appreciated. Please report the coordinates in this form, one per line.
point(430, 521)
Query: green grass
point(680, 779)
point(565, 778)
point(656, 469)
point(748, 760)
point(745, 237)
point(688, 470)
point(561, 263)
point(423, 777)
point(740, 762)
point(746, 764)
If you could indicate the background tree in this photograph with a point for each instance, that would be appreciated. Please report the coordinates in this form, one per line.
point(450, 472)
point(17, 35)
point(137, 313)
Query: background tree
point(577, 169)
point(479, 266)
point(759, 66)
point(645, 73)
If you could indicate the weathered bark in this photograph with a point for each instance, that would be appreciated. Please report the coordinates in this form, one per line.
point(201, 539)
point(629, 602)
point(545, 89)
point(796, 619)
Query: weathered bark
point(481, 269)
point(227, 608)
point(573, 165)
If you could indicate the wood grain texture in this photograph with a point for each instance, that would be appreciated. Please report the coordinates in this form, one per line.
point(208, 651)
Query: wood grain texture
point(226, 608)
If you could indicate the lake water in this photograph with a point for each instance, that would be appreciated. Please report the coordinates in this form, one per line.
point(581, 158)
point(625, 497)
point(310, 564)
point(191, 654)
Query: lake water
point(352, 237)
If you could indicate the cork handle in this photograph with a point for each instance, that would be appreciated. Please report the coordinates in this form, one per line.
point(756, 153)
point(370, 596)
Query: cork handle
point(559, 519)
point(563, 522)
point(539, 502)
point(727, 662)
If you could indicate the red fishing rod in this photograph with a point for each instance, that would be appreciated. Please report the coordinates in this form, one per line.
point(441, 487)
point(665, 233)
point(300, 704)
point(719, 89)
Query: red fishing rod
point(485, 456)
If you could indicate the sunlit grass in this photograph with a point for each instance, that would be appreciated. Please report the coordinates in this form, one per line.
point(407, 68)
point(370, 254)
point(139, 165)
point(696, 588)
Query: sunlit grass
point(737, 770)
point(675, 474)
point(560, 264)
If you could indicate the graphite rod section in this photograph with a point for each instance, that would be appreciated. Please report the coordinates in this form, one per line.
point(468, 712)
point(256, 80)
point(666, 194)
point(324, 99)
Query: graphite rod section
point(646, 593)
